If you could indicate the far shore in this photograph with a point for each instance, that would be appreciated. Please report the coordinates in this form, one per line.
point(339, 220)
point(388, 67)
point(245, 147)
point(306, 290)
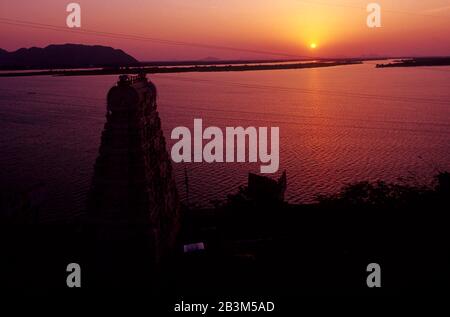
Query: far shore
point(418, 61)
point(177, 69)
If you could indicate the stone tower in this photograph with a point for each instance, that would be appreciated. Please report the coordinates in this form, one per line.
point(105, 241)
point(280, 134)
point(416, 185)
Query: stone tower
point(133, 205)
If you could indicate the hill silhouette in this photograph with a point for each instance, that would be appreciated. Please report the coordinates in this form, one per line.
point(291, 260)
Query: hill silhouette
point(65, 55)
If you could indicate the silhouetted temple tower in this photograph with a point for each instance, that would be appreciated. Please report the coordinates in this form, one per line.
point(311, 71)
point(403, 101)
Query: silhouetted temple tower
point(133, 201)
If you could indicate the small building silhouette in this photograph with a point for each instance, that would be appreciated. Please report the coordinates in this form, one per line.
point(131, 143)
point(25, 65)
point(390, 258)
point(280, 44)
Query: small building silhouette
point(262, 188)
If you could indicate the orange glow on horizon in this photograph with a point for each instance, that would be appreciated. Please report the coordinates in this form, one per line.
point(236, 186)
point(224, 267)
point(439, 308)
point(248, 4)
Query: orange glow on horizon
point(289, 27)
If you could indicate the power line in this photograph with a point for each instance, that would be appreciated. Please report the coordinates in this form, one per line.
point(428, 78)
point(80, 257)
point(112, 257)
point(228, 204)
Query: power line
point(171, 106)
point(321, 124)
point(309, 91)
point(340, 93)
point(84, 31)
point(363, 8)
point(278, 121)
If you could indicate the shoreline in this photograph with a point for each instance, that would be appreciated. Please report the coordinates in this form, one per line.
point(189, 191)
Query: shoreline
point(159, 70)
point(417, 62)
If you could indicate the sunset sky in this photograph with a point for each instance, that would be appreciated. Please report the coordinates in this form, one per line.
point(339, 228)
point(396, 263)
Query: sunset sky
point(338, 28)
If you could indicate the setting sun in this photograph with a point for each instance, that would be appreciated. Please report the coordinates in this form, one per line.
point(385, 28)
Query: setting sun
point(313, 45)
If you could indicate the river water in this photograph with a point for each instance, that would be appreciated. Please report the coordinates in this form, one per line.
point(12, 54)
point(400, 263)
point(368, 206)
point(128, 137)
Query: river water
point(337, 125)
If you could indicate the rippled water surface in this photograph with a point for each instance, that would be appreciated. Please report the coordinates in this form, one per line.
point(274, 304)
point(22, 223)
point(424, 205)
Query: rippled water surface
point(337, 125)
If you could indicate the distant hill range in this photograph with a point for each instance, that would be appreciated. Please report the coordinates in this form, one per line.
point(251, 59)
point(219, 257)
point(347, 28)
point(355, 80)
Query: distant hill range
point(65, 56)
point(210, 59)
